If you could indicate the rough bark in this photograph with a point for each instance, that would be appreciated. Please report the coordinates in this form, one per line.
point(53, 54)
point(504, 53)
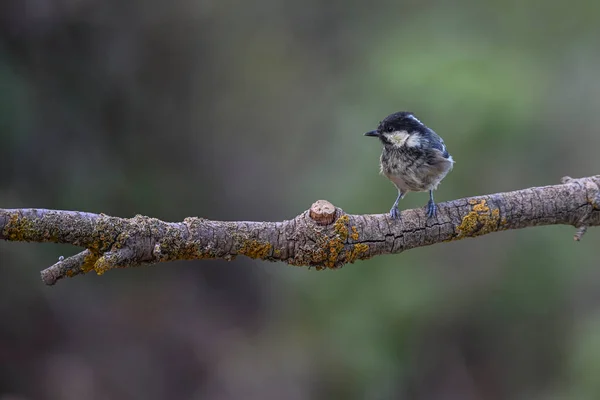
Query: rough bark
point(322, 237)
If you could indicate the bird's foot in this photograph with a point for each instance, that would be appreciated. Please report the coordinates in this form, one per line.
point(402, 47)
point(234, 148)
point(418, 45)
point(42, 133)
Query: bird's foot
point(431, 209)
point(395, 213)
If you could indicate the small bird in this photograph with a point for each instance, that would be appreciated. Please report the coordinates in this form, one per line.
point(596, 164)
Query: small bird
point(414, 157)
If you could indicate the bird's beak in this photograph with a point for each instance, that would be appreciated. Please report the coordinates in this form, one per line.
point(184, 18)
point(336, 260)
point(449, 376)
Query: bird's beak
point(372, 133)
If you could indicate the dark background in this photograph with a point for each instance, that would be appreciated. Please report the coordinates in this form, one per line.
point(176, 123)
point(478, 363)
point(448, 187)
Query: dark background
point(253, 110)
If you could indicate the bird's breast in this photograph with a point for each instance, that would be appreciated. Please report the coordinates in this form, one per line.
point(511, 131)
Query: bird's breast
point(414, 171)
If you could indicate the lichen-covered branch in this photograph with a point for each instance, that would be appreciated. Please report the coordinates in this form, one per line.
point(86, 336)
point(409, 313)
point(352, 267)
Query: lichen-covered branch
point(323, 237)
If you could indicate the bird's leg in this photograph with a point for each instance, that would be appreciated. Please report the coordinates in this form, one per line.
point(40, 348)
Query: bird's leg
point(431, 207)
point(394, 212)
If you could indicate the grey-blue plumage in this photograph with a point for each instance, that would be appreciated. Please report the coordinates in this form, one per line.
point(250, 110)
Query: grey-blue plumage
point(414, 157)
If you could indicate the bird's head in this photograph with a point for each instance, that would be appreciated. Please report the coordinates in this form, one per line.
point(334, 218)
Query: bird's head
point(400, 129)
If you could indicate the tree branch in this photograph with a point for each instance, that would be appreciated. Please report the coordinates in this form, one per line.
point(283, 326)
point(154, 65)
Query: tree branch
point(323, 237)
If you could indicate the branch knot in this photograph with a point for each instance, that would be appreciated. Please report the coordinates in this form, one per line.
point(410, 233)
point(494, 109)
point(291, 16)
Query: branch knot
point(322, 212)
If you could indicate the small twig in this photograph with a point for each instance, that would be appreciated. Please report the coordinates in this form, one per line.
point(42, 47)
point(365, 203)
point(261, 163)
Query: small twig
point(580, 232)
point(78, 264)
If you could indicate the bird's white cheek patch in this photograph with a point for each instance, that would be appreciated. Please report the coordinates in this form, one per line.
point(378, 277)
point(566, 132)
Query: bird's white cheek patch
point(413, 141)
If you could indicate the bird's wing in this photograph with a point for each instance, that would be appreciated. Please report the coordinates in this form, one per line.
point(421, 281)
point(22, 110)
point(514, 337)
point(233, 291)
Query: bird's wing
point(438, 144)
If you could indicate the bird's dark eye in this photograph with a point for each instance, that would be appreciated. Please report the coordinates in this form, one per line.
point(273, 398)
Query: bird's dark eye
point(390, 129)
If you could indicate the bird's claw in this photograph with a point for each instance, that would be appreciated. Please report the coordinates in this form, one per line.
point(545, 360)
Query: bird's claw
point(395, 213)
point(431, 209)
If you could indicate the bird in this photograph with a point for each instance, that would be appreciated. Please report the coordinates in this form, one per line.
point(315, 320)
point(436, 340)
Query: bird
point(414, 157)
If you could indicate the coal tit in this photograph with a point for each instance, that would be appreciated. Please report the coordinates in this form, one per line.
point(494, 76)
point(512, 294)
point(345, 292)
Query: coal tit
point(414, 157)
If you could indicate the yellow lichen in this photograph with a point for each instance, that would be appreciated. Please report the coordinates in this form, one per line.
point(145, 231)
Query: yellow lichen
point(335, 247)
point(256, 249)
point(329, 245)
point(354, 234)
point(479, 221)
point(327, 255)
point(88, 263)
point(101, 266)
point(20, 229)
point(481, 207)
point(357, 251)
point(328, 248)
point(340, 227)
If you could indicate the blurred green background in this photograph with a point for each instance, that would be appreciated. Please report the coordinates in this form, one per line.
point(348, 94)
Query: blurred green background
point(253, 110)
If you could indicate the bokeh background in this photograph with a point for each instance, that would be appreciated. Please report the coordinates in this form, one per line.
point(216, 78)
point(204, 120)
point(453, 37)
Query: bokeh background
point(253, 110)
